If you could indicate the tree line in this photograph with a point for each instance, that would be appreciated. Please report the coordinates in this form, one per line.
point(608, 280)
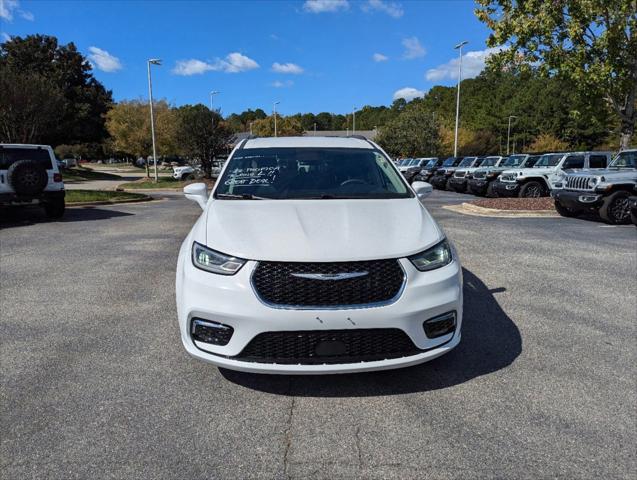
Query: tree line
point(575, 93)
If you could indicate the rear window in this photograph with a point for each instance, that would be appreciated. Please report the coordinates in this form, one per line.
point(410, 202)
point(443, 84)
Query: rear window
point(8, 156)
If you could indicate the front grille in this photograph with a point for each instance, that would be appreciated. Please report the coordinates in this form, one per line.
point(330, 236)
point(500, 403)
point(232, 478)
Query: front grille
point(459, 174)
point(276, 284)
point(578, 183)
point(479, 175)
point(328, 346)
point(439, 173)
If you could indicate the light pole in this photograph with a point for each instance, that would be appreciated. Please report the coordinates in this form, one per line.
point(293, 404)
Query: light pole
point(353, 120)
point(212, 94)
point(250, 128)
point(455, 143)
point(153, 61)
point(274, 110)
point(509, 132)
point(315, 129)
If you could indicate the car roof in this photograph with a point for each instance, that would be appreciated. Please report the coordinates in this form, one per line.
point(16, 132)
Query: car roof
point(308, 142)
point(23, 145)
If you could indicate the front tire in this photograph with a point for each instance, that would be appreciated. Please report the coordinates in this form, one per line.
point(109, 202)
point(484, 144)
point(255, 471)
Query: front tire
point(54, 209)
point(616, 209)
point(533, 190)
point(563, 211)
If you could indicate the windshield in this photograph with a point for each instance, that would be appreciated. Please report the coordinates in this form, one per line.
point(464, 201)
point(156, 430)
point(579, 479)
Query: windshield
point(449, 162)
point(414, 162)
point(625, 160)
point(430, 164)
point(490, 161)
point(549, 160)
point(514, 160)
point(467, 161)
point(306, 173)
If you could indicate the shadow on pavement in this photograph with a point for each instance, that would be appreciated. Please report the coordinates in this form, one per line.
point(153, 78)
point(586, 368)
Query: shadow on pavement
point(490, 342)
point(20, 217)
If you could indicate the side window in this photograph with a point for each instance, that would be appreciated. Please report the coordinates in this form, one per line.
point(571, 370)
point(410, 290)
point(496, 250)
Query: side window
point(597, 161)
point(573, 161)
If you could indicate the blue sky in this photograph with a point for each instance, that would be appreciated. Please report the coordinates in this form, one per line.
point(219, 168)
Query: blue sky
point(313, 56)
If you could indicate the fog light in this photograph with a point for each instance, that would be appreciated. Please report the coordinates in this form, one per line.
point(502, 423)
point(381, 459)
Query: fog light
point(210, 332)
point(441, 325)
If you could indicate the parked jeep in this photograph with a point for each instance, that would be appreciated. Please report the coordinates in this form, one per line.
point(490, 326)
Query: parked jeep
point(459, 179)
point(605, 191)
point(547, 174)
point(428, 170)
point(440, 178)
point(481, 181)
point(29, 175)
point(415, 167)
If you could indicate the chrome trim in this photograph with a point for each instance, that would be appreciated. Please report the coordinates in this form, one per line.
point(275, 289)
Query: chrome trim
point(206, 323)
point(360, 306)
point(330, 276)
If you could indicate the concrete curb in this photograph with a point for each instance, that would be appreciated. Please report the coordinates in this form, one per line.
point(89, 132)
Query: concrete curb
point(109, 202)
point(475, 210)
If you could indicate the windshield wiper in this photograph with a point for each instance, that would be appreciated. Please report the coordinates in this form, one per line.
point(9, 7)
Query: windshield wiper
point(243, 196)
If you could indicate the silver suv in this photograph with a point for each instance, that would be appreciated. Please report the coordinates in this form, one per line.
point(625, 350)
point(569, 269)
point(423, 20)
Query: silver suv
point(605, 191)
point(29, 174)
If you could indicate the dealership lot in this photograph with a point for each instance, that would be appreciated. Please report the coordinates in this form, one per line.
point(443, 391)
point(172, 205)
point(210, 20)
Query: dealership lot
point(95, 379)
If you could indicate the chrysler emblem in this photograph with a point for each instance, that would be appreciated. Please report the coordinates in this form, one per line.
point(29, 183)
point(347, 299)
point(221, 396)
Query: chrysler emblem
point(330, 276)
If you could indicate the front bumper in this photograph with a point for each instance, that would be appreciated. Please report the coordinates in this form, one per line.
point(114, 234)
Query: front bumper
point(439, 181)
point(506, 189)
point(477, 186)
point(231, 301)
point(578, 200)
point(458, 184)
point(46, 196)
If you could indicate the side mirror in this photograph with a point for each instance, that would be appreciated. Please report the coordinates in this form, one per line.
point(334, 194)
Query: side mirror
point(422, 189)
point(197, 192)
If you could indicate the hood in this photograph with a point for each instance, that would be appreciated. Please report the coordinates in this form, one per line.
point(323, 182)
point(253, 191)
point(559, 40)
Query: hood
point(533, 171)
point(319, 230)
point(605, 172)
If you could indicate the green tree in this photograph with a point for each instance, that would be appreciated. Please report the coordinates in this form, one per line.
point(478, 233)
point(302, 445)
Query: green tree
point(81, 116)
point(591, 42)
point(286, 127)
point(202, 134)
point(128, 123)
point(30, 107)
point(413, 133)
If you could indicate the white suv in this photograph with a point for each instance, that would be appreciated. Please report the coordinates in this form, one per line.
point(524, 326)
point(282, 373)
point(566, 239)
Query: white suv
point(313, 255)
point(29, 174)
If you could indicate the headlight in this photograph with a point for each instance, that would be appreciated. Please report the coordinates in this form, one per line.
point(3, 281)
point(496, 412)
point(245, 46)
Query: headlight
point(435, 257)
point(592, 181)
point(215, 262)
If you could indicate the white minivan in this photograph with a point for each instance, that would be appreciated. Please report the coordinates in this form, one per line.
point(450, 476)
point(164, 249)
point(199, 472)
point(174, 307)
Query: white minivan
point(313, 255)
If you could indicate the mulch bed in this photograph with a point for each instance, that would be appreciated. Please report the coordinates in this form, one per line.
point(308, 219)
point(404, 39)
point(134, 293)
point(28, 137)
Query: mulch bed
point(544, 203)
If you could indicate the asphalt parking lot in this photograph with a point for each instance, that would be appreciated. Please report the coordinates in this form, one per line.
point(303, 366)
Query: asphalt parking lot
point(95, 382)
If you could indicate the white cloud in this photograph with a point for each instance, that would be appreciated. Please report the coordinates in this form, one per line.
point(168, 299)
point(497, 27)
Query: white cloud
point(287, 68)
point(408, 93)
point(279, 84)
point(379, 57)
point(103, 60)
point(472, 64)
point(321, 6)
point(233, 63)
point(8, 8)
point(5, 37)
point(413, 48)
point(191, 67)
point(392, 9)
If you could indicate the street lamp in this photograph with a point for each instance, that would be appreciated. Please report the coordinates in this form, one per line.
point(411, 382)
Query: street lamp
point(274, 110)
point(152, 61)
point(353, 120)
point(455, 143)
point(315, 129)
point(509, 132)
point(212, 94)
